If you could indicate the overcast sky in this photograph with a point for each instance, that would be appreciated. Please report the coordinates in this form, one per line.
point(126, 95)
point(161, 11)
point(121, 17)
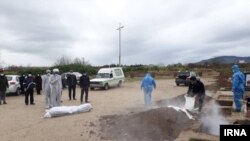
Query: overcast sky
point(37, 32)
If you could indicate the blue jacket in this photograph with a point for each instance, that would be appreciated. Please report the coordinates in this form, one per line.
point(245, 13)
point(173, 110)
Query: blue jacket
point(238, 80)
point(148, 82)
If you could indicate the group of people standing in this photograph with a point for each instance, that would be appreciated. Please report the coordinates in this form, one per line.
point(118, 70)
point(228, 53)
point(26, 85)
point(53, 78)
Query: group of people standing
point(27, 84)
point(84, 83)
point(50, 84)
point(52, 87)
point(37, 80)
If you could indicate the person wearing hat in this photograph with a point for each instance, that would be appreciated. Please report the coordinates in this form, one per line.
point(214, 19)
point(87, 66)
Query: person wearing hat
point(46, 89)
point(238, 87)
point(196, 88)
point(3, 87)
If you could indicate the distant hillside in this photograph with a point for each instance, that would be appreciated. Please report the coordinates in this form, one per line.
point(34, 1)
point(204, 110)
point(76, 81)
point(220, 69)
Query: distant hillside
point(224, 60)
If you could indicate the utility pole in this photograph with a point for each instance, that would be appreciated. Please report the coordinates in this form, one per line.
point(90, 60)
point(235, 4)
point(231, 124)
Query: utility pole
point(119, 28)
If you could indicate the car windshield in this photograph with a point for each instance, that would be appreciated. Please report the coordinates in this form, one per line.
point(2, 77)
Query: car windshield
point(103, 75)
point(183, 73)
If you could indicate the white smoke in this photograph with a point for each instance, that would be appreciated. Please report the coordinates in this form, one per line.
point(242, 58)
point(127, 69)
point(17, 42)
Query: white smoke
point(211, 122)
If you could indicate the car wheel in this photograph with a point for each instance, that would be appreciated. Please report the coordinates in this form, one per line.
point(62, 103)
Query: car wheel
point(92, 88)
point(177, 84)
point(106, 86)
point(18, 92)
point(119, 84)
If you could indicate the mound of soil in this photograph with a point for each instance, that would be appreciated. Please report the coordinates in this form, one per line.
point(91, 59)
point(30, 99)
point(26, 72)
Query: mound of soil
point(152, 125)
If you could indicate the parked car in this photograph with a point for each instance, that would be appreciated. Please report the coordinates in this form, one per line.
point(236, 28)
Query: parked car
point(108, 77)
point(183, 77)
point(66, 74)
point(14, 84)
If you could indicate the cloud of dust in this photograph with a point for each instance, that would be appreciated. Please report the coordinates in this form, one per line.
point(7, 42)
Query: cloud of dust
point(176, 101)
point(211, 122)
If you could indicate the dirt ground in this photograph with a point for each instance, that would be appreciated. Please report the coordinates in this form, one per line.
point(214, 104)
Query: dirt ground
point(26, 123)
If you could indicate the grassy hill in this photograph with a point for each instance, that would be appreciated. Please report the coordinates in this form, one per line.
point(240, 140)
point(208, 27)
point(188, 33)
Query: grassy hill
point(224, 60)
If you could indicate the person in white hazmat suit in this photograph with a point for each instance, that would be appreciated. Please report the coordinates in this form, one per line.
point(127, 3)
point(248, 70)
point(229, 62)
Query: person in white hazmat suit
point(56, 88)
point(46, 89)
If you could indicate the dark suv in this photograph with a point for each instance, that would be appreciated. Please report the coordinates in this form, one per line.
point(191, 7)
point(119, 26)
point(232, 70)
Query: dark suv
point(184, 77)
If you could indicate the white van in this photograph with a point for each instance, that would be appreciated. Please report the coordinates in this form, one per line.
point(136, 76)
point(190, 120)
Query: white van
point(108, 77)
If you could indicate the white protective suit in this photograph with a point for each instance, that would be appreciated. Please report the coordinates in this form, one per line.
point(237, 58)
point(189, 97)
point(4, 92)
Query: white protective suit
point(46, 89)
point(56, 89)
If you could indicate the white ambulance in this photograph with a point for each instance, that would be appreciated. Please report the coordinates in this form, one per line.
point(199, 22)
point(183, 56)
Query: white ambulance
point(108, 77)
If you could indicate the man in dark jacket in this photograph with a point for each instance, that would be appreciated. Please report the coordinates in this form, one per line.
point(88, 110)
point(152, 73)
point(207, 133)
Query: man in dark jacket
point(3, 87)
point(21, 79)
point(71, 80)
point(84, 84)
point(29, 89)
point(38, 81)
point(196, 88)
